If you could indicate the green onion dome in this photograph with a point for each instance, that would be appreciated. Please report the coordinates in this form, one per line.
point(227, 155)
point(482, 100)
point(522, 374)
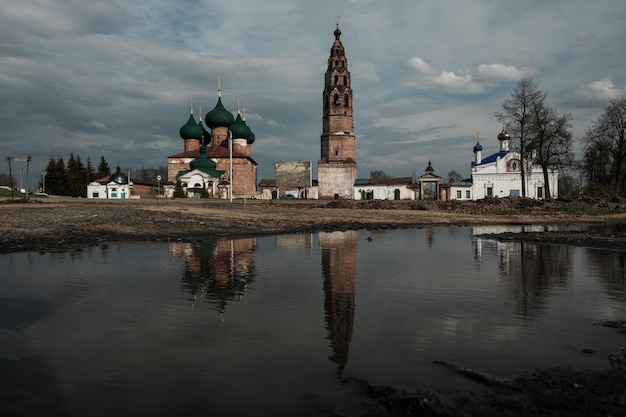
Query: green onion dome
point(118, 177)
point(219, 116)
point(191, 129)
point(251, 138)
point(239, 129)
point(202, 162)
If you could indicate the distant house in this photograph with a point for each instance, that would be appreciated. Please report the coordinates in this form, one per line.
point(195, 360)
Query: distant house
point(461, 190)
point(144, 188)
point(117, 187)
point(384, 189)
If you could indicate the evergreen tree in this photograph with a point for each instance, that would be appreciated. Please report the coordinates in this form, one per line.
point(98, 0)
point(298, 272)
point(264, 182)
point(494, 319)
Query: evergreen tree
point(75, 177)
point(178, 190)
point(56, 179)
point(103, 168)
point(44, 184)
point(90, 172)
point(62, 184)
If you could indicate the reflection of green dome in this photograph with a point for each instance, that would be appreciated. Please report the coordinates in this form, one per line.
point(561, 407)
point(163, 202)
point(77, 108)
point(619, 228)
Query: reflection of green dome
point(239, 129)
point(191, 129)
point(118, 177)
point(219, 116)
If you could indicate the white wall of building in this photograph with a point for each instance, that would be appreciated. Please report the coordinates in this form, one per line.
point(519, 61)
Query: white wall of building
point(111, 190)
point(384, 192)
point(461, 192)
point(501, 177)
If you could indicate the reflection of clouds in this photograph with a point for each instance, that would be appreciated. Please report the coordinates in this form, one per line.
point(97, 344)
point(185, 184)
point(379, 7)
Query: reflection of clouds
point(463, 330)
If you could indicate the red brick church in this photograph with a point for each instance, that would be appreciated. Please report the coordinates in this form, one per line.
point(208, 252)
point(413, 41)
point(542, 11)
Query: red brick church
point(207, 161)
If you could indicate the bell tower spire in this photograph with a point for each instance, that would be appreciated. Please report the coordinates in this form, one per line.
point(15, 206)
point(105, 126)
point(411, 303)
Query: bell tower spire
point(337, 163)
point(338, 142)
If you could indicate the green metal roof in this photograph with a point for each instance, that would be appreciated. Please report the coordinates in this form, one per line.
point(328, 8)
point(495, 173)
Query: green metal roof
point(191, 129)
point(219, 116)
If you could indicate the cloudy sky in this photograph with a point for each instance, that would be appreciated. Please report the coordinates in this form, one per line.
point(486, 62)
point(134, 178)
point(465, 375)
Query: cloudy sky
point(115, 77)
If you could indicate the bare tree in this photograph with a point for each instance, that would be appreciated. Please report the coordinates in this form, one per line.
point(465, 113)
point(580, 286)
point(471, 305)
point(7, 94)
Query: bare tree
point(550, 140)
point(378, 175)
point(454, 177)
point(7, 180)
point(605, 146)
point(516, 115)
point(596, 163)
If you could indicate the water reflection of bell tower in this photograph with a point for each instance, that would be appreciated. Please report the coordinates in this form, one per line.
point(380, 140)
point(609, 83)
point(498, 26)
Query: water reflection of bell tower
point(338, 250)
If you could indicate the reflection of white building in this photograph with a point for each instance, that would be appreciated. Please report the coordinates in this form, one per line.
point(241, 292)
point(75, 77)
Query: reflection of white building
point(117, 186)
point(499, 174)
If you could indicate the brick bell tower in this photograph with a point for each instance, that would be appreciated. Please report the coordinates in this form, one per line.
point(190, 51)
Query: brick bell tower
point(337, 168)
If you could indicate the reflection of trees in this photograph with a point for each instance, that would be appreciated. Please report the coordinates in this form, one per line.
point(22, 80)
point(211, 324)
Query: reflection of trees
point(430, 236)
point(611, 271)
point(217, 270)
point(338, 251)
point(530, 271)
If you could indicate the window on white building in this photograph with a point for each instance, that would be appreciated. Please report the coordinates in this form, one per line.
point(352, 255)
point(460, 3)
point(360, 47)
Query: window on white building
point(458, 193)
point(468, 194)
point(539, 192)
point(489, 191)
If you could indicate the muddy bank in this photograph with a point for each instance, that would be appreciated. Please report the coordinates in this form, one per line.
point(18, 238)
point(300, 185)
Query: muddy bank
point(65, 223)
point(547, 392)
point(541, 392)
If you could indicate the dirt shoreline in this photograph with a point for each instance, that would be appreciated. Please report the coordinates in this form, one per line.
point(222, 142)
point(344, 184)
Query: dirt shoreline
point(65, 223)
point(54, 224)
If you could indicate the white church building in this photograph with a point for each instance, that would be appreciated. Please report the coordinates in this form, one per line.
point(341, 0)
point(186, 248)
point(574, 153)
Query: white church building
point(499, 174)
point(117, 187)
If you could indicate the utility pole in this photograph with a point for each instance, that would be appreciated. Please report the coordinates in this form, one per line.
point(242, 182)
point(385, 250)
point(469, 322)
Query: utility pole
point(43, 182)
point(26, 159)
point(230, 166)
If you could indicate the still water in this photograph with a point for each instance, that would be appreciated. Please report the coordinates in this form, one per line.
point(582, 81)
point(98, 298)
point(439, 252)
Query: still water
point(268, 326)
